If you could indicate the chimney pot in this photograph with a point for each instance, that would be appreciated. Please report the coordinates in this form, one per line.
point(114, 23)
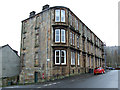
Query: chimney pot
point(45, 7)
point(32, 13)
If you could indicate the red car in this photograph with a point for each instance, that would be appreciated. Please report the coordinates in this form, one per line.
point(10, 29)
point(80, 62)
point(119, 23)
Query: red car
point(98, 70)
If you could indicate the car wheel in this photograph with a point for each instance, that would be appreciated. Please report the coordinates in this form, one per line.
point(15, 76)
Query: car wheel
point(102, 72)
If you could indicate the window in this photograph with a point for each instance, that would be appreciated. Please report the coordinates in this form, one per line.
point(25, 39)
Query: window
point(57, 57)
point(88, 46)
point(91, 48)
point(73, 39)
point(36, 59)
point(60, 57)
point(37, 21)
point(73, 20)
point(63, 57)
point(36, 31)
point(24, 27)
point(23, 60)
point(88, 62)
point(76, 24)
point(78, 59)
point(24, 41)
point(70, 18)
point(99, 62)
point(36, 55)
point(36, 40)
point(62, 15)
point(60, 35)
point(78, 41)
point(83, 45)
point(57, 35)
point(59, 15)
point(72, 58)
point(81, 26)
point(91, 62)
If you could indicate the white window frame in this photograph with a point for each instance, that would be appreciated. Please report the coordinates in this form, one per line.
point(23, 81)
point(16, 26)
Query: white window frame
point(78, 59)
point(56, 13)
point(58, 34)
point(60, 54)
point(59, 57)
point(62, 30)
point(62, 15)
point(64, 57)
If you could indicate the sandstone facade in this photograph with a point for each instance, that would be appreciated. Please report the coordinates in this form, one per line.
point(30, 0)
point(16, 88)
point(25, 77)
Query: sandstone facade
point(56, 43)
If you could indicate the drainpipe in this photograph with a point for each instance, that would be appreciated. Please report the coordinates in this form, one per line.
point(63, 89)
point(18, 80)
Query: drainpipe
point(47, 53)
point(105, 55)
point(69, 52)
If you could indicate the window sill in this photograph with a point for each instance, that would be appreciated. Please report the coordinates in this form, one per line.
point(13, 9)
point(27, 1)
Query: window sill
point(36, 28)
point(24, 48)
point(78, 65)
point(36, 45)
point(24, 32)
point(36, 65)
point(60, 43)
point(72, 65)
point(60, 65)
point(60, 22)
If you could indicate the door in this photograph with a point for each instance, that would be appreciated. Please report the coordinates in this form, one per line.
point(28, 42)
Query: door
point(36, 77)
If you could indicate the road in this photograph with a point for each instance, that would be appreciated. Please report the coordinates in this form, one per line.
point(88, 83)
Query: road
point(107, 80)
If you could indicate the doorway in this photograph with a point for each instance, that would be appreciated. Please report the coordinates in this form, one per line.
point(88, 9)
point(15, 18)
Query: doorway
point(36, 77)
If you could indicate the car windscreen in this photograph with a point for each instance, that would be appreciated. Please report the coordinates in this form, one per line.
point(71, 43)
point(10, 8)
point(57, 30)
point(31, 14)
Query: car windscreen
point(97, 68)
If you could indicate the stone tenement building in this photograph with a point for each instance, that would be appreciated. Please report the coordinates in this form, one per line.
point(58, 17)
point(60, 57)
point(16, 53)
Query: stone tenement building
point(56, 43)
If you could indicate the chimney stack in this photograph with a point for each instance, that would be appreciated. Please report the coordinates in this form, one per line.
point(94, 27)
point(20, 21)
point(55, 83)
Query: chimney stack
point(45, 7)
point(32, 13)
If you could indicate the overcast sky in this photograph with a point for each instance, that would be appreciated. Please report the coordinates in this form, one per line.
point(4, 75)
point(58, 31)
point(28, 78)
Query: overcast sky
point(101, 16)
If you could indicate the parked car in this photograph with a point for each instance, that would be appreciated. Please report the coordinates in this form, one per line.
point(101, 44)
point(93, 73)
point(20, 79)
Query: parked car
point(110, 68)
point(99, 70)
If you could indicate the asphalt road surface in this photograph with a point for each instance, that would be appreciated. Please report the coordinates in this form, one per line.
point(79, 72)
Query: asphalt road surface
point(108, 80)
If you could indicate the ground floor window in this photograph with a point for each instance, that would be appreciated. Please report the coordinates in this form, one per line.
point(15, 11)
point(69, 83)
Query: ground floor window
point(60, 57)
point(72, 58)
